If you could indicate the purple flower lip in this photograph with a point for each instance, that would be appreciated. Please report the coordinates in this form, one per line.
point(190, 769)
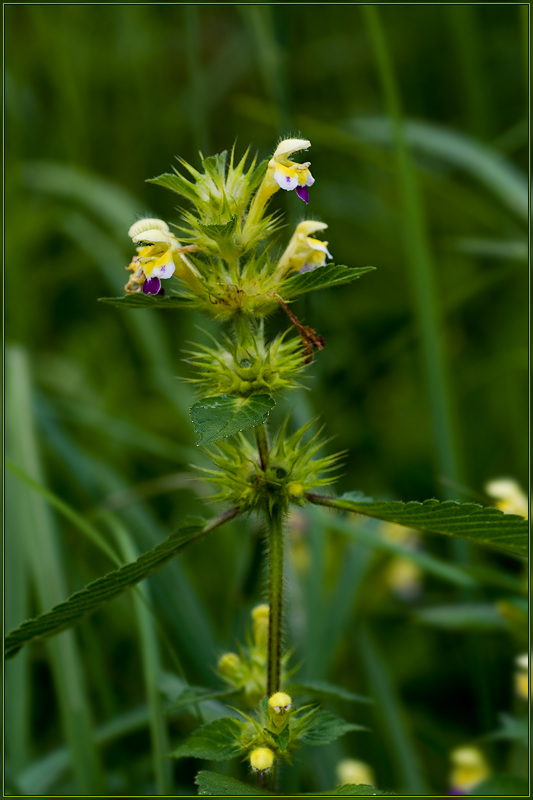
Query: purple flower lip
point(303, 193)
point(152, 286)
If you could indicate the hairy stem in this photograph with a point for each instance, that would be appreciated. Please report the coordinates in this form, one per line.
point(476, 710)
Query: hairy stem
point(275, 597)
point(262, 445)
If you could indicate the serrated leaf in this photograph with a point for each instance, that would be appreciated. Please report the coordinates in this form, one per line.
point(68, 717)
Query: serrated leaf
point(479, 524)
point(351, 790)
point(463, 617)
point(282, 738)
point(325, 689)
point(140, 300)
point(198, 694)
point(216, 741)
point(213, 784)
point(218, 417)
point(320, 278)
point(501, 786)
point(326, 728)
point(105, 588)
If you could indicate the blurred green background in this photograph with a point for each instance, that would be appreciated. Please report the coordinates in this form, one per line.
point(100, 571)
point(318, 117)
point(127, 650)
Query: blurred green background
point(418, 121)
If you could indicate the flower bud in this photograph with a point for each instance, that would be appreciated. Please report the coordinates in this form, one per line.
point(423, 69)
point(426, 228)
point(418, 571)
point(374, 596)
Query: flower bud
point(261, 759)
point(260, 618)
point(522, 683)
point(279, 706)
point(230, 665)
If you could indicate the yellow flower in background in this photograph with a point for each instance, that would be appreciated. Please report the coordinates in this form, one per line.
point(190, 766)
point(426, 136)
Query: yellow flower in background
point(522, 677)
point(351, 771)
point(303, 253)
point(508, 492)
point(404, 577)
point(469, 768)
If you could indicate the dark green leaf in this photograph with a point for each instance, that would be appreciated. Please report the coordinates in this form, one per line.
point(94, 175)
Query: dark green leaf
point(325, 689)
point(463, 617)
point(109, 586)
point(197, 694)
point(215, 785)
point(320, 278)
point(218, 417)
point(140, 300)
point(479, 524)
point(216, 741)
point(501, 785)
point(327, 727)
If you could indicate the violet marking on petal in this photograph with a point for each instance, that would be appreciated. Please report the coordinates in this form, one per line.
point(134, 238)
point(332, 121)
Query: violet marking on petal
point(152, 286)
point(303, 193)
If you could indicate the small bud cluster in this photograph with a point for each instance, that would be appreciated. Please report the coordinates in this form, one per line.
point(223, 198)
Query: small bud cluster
point(290, 473)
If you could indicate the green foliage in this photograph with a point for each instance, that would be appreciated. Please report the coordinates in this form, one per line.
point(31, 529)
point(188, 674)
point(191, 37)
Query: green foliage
point(467, 616)
point(217, 418)
point(512, 729)
point(478, 524)
point(290, 470)
point(320, 278)
point(501, 785)
point(324, 689)
point(326, 728)
point(213, 784)
point(104, 589)
point(140, 300)
point(216, 741)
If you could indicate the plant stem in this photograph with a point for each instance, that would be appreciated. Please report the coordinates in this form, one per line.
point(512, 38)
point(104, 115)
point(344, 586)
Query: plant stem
point(262, 445)
point(275, 597)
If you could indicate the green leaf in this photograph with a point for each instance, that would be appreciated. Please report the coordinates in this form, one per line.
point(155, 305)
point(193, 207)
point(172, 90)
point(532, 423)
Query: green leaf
point(463, 617)
point(176, 183)
point(501, 785)
point(320, 278)
point(215, 785)
point(326, 728)
point(109, 586)
point(216, 741)
point(478, 524)
point(351, 790)
point(282, 739)
point(198, 694)
point(325, 689)
point(140, 300)
point(513, 729)
point(218, 417)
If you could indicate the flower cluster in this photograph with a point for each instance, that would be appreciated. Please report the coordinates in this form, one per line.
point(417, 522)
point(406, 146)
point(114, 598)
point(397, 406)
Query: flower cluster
point(220, 264)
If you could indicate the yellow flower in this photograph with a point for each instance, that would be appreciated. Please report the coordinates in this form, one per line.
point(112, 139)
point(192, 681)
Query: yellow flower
point(350, 771)
point(289, 174)
point(159, 256)
point(260, 622)
point(404, 577)
point(303, 253)
point(279, 706)
point(511, 499)
point(285, 174)
point(522, 679)
point(468, 769)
